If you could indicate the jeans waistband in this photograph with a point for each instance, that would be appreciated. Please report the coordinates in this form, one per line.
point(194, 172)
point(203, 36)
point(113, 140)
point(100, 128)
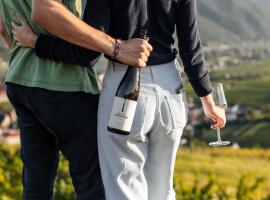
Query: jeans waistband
point(151, 76)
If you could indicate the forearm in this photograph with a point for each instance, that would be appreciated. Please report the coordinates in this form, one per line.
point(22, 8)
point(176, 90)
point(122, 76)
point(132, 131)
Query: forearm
point(60, 50)
point(55, 18)
point(207, 101)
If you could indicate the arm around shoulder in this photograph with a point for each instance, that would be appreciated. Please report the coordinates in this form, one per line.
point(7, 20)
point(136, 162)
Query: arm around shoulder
point(53, 16)
point(57, 19)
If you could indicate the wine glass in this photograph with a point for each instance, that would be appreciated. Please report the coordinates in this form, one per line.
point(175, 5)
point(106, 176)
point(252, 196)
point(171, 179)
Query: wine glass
point(220, 101)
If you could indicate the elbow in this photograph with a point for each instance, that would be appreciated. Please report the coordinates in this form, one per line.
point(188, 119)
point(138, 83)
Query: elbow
point(38, 13)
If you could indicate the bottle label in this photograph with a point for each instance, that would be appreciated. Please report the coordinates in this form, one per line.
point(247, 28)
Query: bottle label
point(122, 115)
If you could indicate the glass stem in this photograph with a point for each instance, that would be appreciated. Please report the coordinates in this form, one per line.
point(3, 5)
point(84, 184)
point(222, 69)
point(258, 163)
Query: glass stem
point(218, 134)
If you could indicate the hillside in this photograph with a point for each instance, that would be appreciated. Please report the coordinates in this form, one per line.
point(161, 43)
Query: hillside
point(263, 4)
point(234, 21)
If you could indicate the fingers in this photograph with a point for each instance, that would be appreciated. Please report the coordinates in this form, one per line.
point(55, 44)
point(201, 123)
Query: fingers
point(145, 51)
point(149, 47)
point(135, 52)
point(21, 19)
point(14, 26)
point(219, 122)
point(18, 31)
point(15, 31)
point(146, 44)
point(142, 60)
point(217, 125)
point(143, 47)
point(144, 57)
point(141, 63)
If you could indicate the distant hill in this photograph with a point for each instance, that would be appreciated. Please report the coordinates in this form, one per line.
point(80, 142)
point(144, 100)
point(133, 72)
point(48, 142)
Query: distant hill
point(263, 4)
point(234, 20)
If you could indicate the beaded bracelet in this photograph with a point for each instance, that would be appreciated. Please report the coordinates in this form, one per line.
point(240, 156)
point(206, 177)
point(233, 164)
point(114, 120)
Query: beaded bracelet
point(116, 48)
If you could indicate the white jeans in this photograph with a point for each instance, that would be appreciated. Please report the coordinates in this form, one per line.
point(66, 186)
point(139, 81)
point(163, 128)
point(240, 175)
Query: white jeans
point(140, 166)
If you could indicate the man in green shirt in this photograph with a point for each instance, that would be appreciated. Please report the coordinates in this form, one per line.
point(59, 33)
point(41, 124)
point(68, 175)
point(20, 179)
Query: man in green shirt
point(56, 103)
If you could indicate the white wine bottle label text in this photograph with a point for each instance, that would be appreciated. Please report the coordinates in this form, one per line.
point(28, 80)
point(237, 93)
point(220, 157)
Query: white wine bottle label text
point(122, 115)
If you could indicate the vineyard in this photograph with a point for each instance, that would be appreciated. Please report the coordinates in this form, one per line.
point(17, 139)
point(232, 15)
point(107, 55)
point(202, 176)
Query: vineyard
point(246, 86)
point(223, 174)
point(200, 174)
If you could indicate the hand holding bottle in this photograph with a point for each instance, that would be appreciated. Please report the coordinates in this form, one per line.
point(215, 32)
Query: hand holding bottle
point(135, 52)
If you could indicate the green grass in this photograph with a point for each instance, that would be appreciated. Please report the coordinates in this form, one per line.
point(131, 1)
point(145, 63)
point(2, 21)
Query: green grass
point(226, 165)
point(200, 174)
point(5, 106)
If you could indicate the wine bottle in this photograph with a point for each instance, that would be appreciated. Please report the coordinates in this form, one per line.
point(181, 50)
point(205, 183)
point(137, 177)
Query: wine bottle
point(125, 102)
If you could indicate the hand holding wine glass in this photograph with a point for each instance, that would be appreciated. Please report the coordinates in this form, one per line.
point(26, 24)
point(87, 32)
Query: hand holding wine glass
point(214, 106)
point(211, 111)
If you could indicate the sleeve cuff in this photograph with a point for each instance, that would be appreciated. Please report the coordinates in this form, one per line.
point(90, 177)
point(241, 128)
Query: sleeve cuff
point(43, 47)
point(202, 86)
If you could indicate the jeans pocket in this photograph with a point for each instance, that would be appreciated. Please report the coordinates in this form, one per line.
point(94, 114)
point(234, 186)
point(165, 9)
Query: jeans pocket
point(177, 106)
point(144, 115)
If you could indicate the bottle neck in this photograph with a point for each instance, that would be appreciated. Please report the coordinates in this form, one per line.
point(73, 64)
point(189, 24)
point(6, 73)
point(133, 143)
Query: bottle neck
point(139, 78)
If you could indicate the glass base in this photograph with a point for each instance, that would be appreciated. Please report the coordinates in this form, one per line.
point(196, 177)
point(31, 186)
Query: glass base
point(219, 143)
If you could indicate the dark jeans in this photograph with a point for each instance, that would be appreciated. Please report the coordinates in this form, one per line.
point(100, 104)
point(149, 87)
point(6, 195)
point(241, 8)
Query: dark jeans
point(50, 122)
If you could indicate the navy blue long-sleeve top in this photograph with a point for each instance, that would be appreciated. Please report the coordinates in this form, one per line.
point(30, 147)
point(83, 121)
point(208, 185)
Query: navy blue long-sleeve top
point(124, 19)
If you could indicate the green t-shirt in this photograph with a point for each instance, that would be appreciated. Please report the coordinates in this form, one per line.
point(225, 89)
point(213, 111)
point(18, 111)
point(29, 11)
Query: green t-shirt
point(25, 68)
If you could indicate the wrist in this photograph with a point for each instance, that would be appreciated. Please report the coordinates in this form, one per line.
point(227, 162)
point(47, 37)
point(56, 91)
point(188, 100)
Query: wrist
point(33, 41)
point(208, 101)
point(116, 50)
point(109, 49)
